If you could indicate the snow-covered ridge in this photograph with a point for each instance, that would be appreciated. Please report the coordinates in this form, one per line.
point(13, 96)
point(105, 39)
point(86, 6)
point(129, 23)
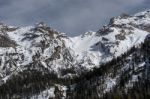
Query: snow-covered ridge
point(120, 35)
point(49, 49)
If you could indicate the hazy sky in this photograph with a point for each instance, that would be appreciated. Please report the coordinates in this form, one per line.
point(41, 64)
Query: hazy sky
point(71, 16)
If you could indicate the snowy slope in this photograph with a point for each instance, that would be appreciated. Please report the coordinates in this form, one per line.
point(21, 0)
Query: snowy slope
point(122, 33)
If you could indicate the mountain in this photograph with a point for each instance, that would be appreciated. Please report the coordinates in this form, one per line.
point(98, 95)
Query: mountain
point(40, 62)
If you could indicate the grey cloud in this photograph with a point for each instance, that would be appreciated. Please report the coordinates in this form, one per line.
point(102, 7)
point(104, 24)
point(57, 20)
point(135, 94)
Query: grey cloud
point(71, 16)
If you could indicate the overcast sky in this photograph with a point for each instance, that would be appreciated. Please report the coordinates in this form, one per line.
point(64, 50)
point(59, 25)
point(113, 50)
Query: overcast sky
point(71, 16)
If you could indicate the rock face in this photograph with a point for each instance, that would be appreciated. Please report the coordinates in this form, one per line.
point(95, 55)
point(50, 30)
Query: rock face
point(39, 45)
point(46, 51)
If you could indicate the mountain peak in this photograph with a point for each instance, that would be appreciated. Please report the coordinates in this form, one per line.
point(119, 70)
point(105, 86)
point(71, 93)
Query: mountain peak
point(41, 24)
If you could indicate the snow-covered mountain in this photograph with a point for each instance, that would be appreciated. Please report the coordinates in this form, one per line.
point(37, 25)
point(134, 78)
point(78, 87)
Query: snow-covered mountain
point(43, 49)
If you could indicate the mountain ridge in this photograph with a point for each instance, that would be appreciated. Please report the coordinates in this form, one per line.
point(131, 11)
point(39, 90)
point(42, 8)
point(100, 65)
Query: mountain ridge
point(45, 51)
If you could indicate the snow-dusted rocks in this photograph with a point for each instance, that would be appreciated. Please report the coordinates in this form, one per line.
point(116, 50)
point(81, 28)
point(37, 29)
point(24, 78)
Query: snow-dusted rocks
point(38, 45)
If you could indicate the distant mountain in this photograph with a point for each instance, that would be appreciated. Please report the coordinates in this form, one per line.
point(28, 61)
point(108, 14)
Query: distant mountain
point(38, 62)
